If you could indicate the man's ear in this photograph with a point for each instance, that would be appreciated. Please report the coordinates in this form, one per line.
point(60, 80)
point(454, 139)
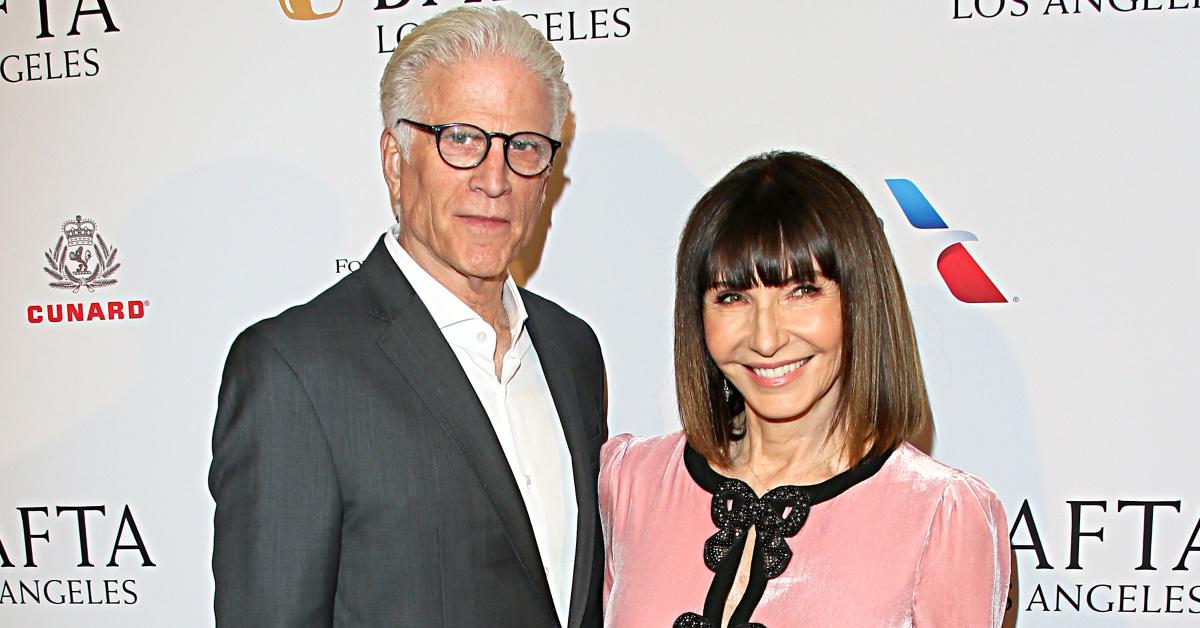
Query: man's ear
point(390, 156)
point(546, 182)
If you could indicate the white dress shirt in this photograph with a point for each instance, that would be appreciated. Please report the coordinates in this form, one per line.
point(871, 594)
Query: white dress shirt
point(521, 411)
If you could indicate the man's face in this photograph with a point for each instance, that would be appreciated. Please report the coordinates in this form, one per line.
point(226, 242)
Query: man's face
point(469, 224)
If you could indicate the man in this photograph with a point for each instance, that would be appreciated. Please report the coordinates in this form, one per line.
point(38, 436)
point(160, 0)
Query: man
point(418, 445)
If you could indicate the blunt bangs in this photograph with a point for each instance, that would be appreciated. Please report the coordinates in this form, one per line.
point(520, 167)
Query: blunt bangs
point(767, 235)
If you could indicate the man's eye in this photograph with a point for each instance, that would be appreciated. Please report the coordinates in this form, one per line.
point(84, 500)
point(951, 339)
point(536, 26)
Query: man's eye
point(460, 137)
point(523, 144)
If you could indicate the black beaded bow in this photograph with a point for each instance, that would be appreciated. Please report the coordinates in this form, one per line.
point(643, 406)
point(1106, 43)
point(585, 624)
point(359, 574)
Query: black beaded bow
point(692, 620)
point(775, 516)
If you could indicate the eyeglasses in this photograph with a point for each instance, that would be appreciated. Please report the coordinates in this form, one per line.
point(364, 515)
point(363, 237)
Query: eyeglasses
point(466, 146)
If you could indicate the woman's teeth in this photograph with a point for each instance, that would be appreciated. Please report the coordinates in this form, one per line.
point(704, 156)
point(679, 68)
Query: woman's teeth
point(780, 371)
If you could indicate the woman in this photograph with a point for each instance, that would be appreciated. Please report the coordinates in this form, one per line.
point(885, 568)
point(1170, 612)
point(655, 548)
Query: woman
point(798, 380)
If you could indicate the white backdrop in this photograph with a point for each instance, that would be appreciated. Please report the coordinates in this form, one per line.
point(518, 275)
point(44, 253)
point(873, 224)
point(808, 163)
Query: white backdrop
point(228, 152)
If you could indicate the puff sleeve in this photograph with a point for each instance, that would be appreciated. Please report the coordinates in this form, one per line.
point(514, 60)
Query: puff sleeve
point(612, 454)
point(962, 578)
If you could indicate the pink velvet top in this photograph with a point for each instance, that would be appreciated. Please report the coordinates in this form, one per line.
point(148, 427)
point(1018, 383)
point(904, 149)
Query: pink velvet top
point(916, 544)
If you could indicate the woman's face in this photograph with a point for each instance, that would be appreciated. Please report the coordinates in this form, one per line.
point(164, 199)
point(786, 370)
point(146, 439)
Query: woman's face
point(781, 347)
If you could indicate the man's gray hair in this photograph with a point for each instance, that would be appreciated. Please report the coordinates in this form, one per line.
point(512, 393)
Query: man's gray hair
point(459, 35)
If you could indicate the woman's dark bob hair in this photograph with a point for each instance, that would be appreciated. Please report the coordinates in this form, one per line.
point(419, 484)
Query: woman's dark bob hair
point(765, 223)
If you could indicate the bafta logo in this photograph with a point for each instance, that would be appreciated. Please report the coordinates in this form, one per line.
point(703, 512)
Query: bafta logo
point(306, 10)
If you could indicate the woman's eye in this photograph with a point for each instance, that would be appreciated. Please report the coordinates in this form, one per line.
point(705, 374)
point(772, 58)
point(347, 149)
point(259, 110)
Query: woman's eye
point(727, 297)
point(805, 289)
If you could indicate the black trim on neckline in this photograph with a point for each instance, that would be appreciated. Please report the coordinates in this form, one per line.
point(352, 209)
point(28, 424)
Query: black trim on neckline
point(703, 474)
point(776, 515)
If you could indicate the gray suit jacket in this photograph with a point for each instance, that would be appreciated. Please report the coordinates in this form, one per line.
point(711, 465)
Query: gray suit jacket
point(358, 481)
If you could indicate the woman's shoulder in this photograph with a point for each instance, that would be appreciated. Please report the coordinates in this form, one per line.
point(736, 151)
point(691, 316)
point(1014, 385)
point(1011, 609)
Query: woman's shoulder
point(632, 469)
point(941, 481)
point(627, 450)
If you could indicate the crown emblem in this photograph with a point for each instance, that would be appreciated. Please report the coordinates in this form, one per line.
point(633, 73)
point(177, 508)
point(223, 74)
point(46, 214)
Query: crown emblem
point(80, 231)
point(81, 258)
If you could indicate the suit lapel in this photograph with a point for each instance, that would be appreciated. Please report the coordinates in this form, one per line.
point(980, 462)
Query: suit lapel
point(417, 348)
point(560, 377)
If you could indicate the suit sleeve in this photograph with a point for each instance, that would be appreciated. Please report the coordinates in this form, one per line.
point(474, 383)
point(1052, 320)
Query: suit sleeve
point(278, 512)
point(603, 394)
point(963, 576)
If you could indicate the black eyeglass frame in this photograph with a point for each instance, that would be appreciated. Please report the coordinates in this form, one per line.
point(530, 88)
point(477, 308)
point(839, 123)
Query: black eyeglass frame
point(437, 129)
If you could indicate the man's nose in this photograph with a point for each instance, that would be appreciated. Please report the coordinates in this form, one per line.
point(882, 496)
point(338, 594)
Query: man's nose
point(492, 176)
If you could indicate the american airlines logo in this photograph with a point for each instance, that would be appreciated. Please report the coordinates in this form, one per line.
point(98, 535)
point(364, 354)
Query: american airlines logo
point(963, 276)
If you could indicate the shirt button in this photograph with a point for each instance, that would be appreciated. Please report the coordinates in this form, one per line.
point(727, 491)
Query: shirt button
point(528, 480)
point(481, 337)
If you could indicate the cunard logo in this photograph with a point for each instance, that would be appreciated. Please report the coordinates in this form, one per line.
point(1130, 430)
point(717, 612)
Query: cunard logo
point(81, 258)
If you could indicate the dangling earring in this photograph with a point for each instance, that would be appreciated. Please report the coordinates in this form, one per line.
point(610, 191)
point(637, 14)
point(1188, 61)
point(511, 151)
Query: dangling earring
point(737, 425)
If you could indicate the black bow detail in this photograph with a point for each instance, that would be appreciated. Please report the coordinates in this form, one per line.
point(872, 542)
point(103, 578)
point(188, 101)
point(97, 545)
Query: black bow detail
point(692, 620)
point(775, 516)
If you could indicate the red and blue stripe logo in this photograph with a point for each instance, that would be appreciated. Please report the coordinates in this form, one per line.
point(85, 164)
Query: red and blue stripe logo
point(963, 276)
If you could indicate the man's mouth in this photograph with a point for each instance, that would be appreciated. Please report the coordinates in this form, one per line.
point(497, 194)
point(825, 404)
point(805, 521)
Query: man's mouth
point(484, 221)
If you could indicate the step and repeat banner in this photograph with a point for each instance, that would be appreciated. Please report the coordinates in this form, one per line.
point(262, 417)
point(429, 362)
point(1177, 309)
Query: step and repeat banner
point(174, 171)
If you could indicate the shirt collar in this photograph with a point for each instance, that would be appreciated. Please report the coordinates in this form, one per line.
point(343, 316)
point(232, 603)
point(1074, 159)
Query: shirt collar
point(446, 308)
